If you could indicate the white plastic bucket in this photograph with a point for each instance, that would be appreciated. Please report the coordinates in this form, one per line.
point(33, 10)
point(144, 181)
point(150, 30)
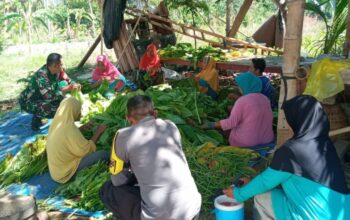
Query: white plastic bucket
point(228, 212)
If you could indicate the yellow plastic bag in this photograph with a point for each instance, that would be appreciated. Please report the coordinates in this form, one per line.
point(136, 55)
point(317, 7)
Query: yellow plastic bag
point(325, 79)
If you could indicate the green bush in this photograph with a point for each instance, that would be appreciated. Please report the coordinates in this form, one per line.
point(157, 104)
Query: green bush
point(1, 44)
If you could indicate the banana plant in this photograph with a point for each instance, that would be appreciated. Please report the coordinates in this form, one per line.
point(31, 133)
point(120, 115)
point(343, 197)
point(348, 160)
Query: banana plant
point(334, 14)
point(26, 17)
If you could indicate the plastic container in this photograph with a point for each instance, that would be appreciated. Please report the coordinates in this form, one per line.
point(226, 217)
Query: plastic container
point(228, 209)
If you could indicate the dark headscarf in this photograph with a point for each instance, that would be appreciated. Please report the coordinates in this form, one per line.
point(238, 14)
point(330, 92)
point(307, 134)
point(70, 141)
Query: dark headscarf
point(310, 152)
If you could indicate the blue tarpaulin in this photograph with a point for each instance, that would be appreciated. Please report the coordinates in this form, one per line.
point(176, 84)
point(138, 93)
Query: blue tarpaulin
point(15, 130)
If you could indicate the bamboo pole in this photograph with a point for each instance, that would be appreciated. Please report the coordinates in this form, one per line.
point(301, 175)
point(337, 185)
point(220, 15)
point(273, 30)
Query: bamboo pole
point(102, 26)
point(239, 18)
point(339, 131)
point(346, 49)
point(133, 12)
point(291, 57)
point(89, 52)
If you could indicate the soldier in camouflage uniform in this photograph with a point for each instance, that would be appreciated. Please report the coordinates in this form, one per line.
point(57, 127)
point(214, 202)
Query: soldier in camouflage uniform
point(43, 94)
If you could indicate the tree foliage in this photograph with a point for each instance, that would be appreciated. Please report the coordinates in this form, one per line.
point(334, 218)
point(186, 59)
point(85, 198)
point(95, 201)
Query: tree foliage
point(67, 19)
point(334, 15)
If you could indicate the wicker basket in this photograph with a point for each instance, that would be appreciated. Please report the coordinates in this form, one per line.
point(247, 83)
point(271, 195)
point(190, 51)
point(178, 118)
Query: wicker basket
point(330, 100)
point(336, 116)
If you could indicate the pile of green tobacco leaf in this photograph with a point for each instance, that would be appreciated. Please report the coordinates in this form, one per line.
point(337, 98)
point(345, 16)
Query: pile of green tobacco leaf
point(29, 161)
point(212, 167)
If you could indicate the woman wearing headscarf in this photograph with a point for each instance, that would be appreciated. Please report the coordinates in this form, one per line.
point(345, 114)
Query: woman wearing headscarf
point(67, 149)
point(150, 70)
point(105, 70)
point(208, 78)
point(250, 121)
point(306, 167)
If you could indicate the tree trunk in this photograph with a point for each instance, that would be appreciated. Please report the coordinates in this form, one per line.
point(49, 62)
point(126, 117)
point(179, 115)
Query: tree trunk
point(29, 33)
point(346, 48)
point(68, 25)
point(229, 7)
point(291, 58)
point(46, 6)
point(93, 18)
point(239, 18)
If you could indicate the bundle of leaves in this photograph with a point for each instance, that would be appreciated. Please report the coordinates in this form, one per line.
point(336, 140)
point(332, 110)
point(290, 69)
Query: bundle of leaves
point(187, 52)
point(215, 168)
point(83, 191)
point(29, 161)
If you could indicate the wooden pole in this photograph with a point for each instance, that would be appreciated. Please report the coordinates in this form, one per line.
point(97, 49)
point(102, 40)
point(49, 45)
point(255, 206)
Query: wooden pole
point(291, 57)
point(102, 25)
point(181, 28)
point(89, 52)
point(347, 35)
point(229, 7)
point(239, 18)
point(339, 131)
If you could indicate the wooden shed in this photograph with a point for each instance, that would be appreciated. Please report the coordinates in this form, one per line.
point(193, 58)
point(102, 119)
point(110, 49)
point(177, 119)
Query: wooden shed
point(292, 11)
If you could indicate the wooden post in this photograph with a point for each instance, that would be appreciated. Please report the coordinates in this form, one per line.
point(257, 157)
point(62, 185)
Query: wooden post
point(291, 57)
point(229, 7)
point(89, 52)
point(347, 35)
point(102, 26)
point(239, 18)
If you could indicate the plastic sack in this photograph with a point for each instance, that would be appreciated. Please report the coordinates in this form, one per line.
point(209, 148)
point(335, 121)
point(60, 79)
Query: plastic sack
point(113, 16)
point(325, 79)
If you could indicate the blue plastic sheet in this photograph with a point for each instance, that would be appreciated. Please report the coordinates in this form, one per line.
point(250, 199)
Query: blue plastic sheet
point(15, 130)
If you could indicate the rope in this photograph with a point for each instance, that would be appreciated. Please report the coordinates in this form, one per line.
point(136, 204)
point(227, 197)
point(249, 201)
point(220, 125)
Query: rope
point(127, 43)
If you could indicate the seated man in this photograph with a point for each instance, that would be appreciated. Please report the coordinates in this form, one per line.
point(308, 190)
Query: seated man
point(151, 151)
point(43, 93)
point(258, 66)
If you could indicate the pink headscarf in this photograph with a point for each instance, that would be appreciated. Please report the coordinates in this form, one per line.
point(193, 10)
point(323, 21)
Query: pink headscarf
point(111, 70)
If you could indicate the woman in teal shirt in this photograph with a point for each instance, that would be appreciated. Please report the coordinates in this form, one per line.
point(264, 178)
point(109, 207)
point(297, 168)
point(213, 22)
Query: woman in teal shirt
point(305, 179)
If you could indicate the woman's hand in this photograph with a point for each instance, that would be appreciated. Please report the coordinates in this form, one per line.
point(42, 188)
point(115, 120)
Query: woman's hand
point(108, 78)
point(86, 126)
point(101, 128)
point(232, 96)
point(229, 192)
point(245, 180)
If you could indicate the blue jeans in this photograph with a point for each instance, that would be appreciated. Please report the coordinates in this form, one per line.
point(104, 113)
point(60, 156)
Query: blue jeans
point(93, 158)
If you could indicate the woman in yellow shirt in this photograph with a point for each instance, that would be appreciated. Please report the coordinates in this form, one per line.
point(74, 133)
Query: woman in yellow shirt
point(68, 151)
point(208, 79)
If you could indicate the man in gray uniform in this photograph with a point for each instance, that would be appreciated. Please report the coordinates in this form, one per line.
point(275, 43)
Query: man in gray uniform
point(151, 151)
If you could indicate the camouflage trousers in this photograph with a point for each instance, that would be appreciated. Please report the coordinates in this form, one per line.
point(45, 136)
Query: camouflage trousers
point(40, 108)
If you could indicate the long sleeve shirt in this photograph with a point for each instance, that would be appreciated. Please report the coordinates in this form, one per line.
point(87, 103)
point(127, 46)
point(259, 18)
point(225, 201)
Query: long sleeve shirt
point(43, 86)
point(250, 121)
point(298, 198)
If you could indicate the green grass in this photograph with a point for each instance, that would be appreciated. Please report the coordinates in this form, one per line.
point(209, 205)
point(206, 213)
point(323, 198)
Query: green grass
point(13, 68)
point(16, 67)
